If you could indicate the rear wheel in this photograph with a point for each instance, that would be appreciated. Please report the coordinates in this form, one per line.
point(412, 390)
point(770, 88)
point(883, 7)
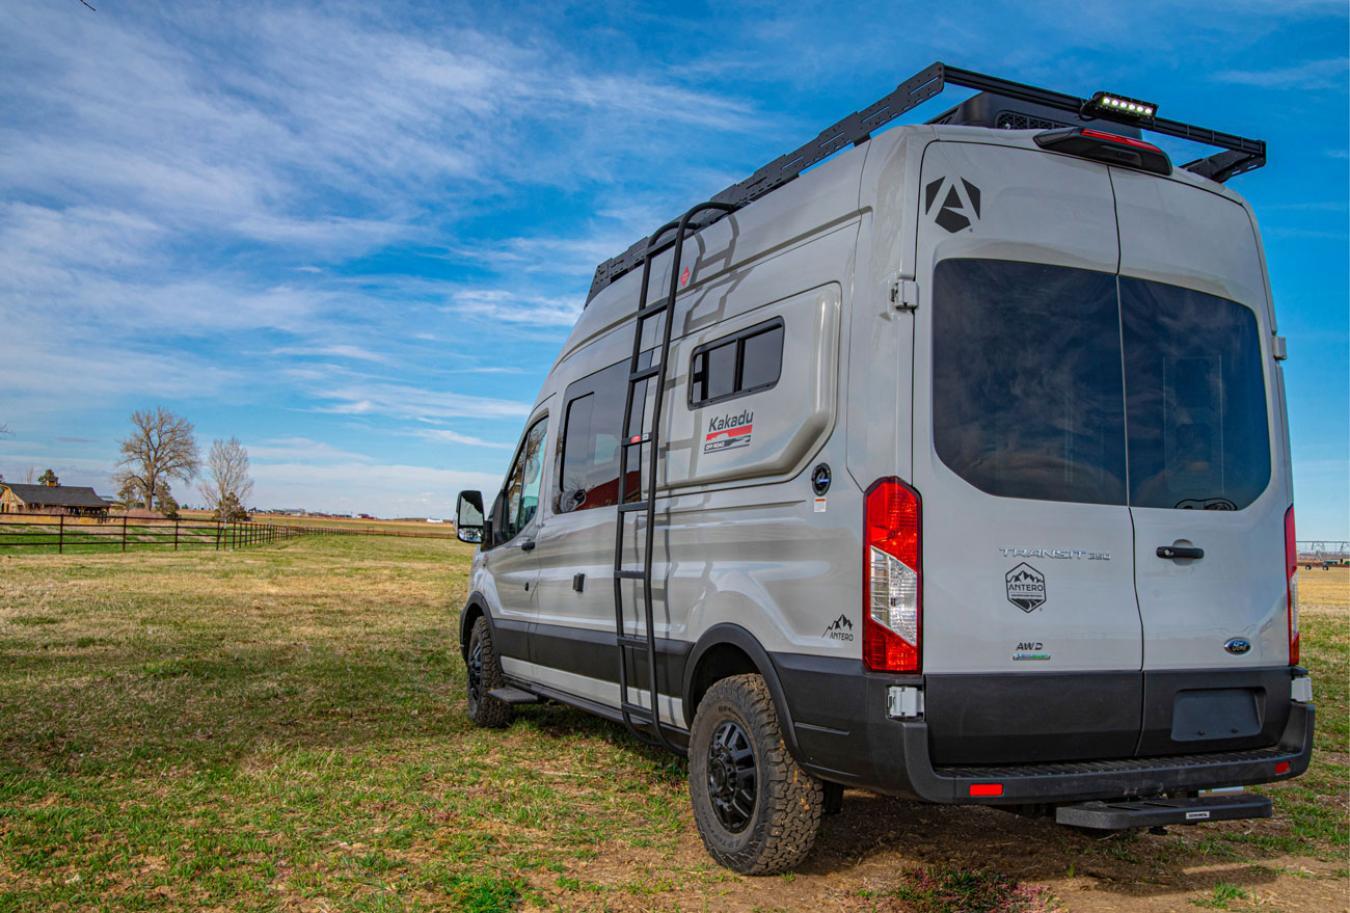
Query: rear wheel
point(485, 674)
point(756, 810)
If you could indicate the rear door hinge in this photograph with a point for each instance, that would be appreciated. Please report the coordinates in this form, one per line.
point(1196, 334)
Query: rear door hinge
point(905, 294)
point(1279, 348)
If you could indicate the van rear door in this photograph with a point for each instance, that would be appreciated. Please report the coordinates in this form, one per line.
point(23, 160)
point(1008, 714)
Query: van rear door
point(1031, 644)
point(1206, 477)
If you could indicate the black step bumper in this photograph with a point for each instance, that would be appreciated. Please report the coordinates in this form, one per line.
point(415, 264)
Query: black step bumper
point(1119, 816)
point(912, 772)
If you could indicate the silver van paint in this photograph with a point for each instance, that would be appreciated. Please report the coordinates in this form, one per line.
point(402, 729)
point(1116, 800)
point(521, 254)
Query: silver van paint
point(743, 542)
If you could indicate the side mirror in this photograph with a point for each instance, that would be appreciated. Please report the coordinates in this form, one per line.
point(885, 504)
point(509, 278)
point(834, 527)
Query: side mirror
point(469, 517)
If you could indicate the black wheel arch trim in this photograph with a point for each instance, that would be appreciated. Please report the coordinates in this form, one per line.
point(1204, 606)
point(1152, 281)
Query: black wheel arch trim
point(473, 606)
point(726, 633)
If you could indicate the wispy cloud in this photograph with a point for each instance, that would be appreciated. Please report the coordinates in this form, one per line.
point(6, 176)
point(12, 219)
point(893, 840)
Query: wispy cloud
point(1331, 73)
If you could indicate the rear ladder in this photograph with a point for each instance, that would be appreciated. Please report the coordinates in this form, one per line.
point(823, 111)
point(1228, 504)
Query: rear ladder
point(645, 721)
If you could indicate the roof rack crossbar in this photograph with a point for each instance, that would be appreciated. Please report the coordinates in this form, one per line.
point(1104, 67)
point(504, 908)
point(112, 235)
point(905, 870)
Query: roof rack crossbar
point(1239, 154)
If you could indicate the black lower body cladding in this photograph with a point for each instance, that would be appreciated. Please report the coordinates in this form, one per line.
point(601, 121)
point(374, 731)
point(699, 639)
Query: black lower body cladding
point(969, 732)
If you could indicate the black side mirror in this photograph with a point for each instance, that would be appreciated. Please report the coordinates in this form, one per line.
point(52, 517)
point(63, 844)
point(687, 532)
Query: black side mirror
point(469, 517)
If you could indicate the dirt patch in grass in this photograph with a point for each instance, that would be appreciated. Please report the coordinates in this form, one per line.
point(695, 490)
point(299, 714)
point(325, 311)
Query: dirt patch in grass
point(283, 729)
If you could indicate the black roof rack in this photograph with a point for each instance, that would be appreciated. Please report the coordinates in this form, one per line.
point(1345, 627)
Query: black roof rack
point(1240, 154)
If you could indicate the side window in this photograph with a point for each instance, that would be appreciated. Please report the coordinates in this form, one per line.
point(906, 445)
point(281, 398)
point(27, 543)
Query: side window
point(588, 475)
point(524, 481)
point(745, 362)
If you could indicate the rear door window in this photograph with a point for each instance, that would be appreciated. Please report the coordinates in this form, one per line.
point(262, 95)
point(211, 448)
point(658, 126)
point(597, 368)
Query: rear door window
point(1027, 395)
point(1198, 429)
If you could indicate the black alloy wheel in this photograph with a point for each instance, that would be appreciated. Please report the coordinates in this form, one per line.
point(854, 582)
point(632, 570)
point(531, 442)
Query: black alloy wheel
point(732, 782)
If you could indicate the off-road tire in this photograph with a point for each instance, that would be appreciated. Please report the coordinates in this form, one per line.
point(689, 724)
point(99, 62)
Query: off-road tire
point(788, 801)
point(485, 710)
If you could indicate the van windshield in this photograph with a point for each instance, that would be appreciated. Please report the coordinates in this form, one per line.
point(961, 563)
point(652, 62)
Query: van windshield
point(1032, 398)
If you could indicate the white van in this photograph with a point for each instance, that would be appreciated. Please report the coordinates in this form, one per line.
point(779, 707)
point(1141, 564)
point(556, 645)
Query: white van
point(956, 468)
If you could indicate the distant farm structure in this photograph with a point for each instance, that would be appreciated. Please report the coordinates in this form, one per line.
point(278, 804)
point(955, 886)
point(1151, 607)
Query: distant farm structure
point(70, 500)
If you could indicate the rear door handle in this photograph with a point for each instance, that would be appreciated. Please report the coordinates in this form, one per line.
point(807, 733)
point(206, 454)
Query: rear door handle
point(1180, 551)
point(527, 545)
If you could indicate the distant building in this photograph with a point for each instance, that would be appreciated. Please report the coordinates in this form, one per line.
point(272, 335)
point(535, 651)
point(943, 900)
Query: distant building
point(74, 500)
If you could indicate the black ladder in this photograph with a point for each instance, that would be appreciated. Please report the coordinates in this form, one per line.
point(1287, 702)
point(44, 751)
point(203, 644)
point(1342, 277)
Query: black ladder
point(645, 722)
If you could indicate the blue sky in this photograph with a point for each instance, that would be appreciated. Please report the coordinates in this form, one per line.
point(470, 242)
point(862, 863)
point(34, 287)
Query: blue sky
point(355, 238)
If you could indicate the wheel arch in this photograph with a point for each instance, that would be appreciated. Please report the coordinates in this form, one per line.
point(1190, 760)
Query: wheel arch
point(476, 607)
point(728, 649)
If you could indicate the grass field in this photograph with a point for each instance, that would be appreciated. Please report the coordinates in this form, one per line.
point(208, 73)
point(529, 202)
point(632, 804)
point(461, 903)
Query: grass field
point(282, 729)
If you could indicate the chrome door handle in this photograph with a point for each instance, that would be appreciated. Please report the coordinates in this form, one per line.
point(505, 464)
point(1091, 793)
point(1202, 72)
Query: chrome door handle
point(1180, 551)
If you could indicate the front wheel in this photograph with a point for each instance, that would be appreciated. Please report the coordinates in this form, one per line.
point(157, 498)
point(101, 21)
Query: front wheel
point(756, 810)
point(485, 674)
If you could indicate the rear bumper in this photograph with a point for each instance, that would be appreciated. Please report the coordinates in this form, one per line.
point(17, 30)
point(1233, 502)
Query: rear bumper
point(841, 733)
point(1077, 781)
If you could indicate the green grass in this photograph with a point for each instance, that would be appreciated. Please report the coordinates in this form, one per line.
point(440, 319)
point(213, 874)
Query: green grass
point(282, 729)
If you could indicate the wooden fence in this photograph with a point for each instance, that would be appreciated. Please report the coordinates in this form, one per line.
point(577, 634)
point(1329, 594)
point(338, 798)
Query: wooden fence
point(60, 534)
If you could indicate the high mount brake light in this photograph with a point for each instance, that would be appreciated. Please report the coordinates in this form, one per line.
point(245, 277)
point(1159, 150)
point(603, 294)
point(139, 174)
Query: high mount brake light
point(1291, 583)
point(1106, 147)
point(1119, 107)
point(892, 577)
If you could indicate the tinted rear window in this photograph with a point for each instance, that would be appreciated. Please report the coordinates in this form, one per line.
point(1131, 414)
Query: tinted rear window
point(1196, 399)
point(1027, 397)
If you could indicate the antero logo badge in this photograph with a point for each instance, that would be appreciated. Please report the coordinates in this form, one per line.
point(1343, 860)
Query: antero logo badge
point(960, 206)
point(1026, 587)
point(840, 629)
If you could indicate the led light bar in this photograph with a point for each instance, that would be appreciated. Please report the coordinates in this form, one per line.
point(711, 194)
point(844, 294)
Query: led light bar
point(1119, 106)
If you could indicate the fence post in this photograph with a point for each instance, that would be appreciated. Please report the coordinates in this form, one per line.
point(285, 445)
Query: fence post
point(124, 532)
point(175, 534)
point(61, 534)
point(218, 528)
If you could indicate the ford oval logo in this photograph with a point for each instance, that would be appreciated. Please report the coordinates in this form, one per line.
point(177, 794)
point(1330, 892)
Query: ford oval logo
point(1238, 645)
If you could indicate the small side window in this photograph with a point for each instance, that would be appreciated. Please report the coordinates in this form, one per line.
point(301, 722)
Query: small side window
point(745, 362)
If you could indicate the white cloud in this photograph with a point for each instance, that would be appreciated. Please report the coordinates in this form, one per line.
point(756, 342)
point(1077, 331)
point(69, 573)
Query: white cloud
point(512, 307)
point(1331, 73)
point(454, 437)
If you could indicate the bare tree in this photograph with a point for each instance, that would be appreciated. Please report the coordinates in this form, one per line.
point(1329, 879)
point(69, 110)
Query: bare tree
point(229, 485)
point(161, 447)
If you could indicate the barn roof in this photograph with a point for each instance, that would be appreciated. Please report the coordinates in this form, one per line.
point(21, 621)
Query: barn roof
point(56, 495)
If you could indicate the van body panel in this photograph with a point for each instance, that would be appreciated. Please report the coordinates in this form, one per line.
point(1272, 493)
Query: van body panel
point(1039, 209)
point(1186, 237)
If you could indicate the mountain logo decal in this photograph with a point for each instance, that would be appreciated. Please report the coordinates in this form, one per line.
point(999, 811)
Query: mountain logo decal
point(1026, 587)
point(840, 629)
point(960, 205)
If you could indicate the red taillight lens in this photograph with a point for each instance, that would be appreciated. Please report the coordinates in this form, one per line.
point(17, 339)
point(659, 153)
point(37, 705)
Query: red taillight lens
point(1121, 140)
point(892, 578)
point(1291, 582)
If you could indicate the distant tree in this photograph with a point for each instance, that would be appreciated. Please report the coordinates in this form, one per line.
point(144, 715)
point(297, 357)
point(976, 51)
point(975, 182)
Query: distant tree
point(49, 479)
point(228, 488)
point(161, 447)
point(164, 501)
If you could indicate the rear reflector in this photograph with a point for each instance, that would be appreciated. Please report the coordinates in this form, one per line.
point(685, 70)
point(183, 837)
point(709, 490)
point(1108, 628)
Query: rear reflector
point(1281, 768)
point(1106, 147)
point(986, 789)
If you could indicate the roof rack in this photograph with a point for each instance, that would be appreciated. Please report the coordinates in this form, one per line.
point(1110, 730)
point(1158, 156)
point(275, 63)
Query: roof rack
point(1240, 154)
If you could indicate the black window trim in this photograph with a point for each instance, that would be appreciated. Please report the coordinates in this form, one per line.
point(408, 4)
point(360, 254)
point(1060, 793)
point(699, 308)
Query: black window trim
point(736, 338)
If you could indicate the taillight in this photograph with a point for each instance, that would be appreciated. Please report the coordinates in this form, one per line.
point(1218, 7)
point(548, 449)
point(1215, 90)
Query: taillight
point(892, 577)
point(1291, 582)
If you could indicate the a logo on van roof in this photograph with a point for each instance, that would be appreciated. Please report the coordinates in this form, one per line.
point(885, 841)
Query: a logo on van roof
point(1026, 587)
point(960, 207)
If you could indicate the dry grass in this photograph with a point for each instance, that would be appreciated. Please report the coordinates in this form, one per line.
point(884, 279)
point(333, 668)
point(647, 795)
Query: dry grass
point(283, 729)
